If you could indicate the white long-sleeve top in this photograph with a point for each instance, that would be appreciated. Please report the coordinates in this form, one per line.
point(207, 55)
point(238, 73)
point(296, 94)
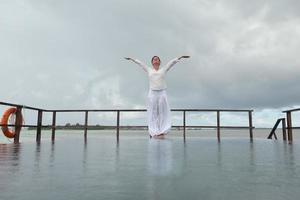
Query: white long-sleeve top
point(157, 77)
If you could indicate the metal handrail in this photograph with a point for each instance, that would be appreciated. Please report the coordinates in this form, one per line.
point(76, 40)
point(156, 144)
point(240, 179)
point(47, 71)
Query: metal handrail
point(39, 125)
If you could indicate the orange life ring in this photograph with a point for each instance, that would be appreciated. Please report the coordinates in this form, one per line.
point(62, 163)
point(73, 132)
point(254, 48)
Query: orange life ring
point(4, 121)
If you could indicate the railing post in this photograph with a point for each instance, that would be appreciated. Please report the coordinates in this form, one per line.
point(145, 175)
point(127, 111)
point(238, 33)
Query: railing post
point(250, 125)
point(218, 125)
point(39, 126)
point(289, 126)
point(86, 123)
point(283, 129)
point(53, 125)
point(118, 124)
point(184, 124)
point(18, 124)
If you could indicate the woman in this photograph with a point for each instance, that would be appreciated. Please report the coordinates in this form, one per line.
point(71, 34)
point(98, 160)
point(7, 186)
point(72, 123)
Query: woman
point(158, 109)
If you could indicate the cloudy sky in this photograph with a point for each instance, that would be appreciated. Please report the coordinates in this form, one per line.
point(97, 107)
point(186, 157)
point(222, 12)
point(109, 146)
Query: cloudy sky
point(69, 54)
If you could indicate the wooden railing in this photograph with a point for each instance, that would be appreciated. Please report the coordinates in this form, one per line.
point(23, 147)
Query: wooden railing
point(40, 111)
point(289, 125)
point(272, 133)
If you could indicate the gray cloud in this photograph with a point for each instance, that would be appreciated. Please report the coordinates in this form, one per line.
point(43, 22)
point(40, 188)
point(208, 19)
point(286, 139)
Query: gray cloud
point(69, 54)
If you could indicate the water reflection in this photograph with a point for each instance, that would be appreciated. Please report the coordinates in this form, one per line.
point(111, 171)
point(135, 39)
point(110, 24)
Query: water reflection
point(160, 157)
point(117, 157)
point(37, 157)
point(85, 154)
point(219, 155)
point(10, 155)
point(9, 166)
point(289, 159)
point(150, 169)
point(252, 153)
point(52, 154)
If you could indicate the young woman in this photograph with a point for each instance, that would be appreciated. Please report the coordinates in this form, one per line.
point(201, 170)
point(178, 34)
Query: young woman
point(158, 109)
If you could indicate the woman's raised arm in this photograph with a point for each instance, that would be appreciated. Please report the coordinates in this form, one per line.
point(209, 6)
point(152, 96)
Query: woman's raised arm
point(144, 66)
point(173, 62)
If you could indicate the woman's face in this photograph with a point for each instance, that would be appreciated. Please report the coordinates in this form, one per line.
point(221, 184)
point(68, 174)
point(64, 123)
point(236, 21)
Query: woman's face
point(156, 61)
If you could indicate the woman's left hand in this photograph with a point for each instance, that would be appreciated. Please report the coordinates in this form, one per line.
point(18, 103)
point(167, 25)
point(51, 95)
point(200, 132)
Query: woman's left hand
point(184, 57)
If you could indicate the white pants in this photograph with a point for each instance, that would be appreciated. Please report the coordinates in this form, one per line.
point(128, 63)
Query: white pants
point(158, 112)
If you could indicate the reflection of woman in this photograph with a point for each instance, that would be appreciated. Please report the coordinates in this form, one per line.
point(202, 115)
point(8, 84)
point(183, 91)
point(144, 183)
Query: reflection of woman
point(160, 157)
point(158, 109)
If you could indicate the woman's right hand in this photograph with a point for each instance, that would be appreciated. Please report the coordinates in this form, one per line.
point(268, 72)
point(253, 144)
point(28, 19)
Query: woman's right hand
point(184, 56)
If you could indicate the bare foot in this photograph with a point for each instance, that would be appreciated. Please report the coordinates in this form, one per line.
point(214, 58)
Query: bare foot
point(160, 136)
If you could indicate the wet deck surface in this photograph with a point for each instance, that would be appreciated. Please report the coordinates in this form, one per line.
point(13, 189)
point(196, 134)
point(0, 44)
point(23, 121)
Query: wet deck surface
point(142, 168)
